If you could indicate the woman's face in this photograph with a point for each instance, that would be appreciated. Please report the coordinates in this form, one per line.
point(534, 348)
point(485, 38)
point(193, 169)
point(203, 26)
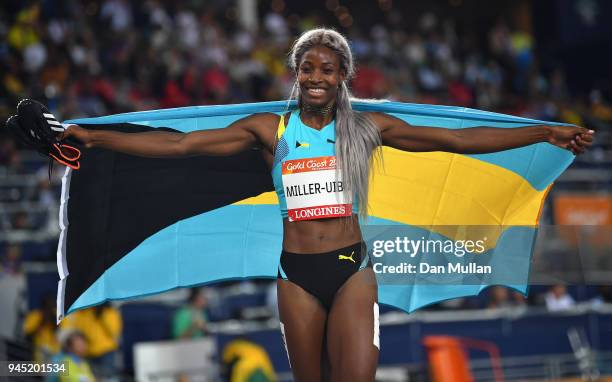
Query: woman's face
point(78, 345)
point(319, 76)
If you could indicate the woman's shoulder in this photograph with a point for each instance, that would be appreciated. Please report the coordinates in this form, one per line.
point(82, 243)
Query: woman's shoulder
point(261, 121)
point(378, 118)
point(264, 117)
point(374, 115)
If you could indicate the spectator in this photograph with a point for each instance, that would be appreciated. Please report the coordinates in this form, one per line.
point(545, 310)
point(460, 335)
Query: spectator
point(8, 150)
point(190, 321)
point(24, 32)
point(604, 295)
point(518, 299)
point(11, 261)
point(245, 361)
point(21, 221)
point(498, 298)
point(12, 289)
point(558, 299)
point(117, 13)
point(74, 348)
point(101, 326)
point(40, 328)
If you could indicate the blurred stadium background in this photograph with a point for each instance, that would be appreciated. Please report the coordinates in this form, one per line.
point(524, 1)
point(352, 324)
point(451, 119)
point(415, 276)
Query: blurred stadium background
point(545, 59)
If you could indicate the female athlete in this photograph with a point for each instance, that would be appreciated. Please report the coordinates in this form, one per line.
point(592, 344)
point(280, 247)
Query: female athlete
point(319, 156)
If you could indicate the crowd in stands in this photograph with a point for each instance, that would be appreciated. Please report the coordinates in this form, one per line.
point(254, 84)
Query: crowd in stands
point(87, 340)
point(111, 56)
point(97, 58)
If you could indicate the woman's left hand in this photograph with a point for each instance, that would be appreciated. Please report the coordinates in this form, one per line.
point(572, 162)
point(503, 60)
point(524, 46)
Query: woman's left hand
point(575, 139)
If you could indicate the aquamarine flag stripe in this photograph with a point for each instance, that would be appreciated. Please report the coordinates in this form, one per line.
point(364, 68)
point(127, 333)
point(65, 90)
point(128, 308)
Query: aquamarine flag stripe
point(437, 111)
point(244, 241)
point(536, 169)
point(236, 241)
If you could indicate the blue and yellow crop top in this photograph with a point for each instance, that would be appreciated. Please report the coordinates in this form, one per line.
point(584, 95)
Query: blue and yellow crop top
point(307, 182)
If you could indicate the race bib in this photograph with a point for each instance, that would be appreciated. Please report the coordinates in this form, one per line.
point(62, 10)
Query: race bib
point(313, 191)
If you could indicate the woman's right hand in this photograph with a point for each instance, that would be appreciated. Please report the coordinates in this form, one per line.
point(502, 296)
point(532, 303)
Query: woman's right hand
point(79, 133)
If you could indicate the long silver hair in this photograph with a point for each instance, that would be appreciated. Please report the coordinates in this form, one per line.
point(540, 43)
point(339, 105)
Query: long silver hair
point(357, 136)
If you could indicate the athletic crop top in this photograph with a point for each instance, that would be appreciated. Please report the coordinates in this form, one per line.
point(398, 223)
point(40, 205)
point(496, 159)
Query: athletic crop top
point(304, 172)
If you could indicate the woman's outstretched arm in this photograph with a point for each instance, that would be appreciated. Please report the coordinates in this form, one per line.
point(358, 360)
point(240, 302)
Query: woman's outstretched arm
point(477, 140)
point(239, 136)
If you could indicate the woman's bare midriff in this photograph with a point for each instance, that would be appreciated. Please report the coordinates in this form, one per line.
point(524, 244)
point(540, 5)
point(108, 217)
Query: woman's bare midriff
point(321, 235)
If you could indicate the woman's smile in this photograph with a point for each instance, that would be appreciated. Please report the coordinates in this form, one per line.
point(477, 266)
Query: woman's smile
point(316, 92)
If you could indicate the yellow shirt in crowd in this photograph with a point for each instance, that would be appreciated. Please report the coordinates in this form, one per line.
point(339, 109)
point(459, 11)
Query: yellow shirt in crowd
point(43, 335)
point(78, 370)
point(102, 332)
point(251, 359)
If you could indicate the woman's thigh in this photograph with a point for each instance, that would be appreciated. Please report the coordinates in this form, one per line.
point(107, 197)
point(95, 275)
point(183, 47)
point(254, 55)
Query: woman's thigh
point(352, 329)
point(303, 324)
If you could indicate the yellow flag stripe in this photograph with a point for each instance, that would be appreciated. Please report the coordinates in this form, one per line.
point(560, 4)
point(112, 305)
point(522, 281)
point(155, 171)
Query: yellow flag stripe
point(444, 193)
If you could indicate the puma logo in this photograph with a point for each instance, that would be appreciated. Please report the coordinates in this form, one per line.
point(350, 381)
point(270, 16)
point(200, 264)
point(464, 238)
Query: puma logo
point(342, 257)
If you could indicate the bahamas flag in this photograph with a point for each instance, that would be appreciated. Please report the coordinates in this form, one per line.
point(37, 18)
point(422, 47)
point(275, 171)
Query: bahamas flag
point(133, 226)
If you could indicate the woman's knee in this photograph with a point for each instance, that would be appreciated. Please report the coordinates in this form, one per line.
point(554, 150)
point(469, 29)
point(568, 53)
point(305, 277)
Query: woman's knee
point(353, 334)
point(303, 328)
